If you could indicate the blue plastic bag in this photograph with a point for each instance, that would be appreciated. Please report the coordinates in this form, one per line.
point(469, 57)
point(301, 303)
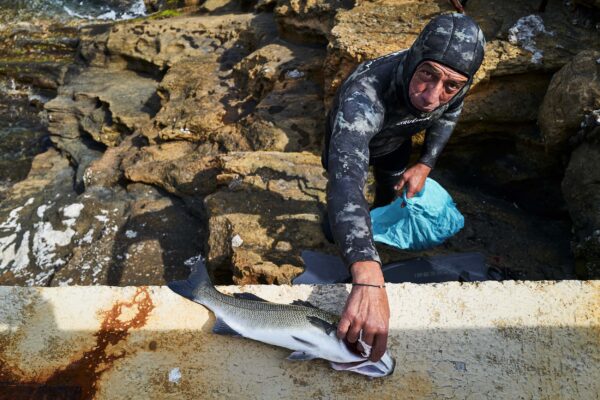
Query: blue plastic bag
point(428, 219)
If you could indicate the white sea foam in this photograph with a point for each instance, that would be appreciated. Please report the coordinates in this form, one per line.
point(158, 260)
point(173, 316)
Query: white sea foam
point(137, 9)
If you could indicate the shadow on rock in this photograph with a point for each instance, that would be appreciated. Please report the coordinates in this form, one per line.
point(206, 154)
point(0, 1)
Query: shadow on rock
point(154, 247)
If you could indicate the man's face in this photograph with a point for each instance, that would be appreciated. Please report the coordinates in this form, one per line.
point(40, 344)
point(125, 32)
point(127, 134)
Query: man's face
point(433, 85)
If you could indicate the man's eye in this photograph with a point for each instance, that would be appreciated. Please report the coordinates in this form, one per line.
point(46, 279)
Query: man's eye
point(452, 87)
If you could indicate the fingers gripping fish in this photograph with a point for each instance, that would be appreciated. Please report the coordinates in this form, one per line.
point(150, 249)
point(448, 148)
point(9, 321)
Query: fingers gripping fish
point(309, 331)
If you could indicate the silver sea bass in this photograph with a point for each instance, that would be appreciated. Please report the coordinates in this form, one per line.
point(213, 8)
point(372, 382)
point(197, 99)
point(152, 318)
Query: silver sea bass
point(309, 331)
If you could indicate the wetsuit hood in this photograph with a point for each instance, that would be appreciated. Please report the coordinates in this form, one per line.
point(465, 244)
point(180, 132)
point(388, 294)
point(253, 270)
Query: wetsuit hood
point(454, 40)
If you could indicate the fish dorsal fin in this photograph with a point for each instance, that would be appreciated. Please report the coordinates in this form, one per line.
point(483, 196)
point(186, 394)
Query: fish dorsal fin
point(222, 328)
point(322, 324)
point(249, 296)
point(301, 356)
point(303, 303)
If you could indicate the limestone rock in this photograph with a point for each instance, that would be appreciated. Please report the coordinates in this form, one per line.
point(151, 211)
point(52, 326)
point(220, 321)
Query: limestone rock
point(266, 215)
point(286, 81)
point(573, 92)
point(199, 104)
point(259, 72)
point(22, 135)
point(160, 5)
point(51, 235)
point(179, 167)
point(156, 45)
point(290, 118)
point(32, 242)
point(37, 54)
point(308, 21)
point(136, 237)
point(103, 104)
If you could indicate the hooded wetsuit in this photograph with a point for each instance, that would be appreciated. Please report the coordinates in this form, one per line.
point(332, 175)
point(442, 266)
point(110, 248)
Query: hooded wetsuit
point(372, 120)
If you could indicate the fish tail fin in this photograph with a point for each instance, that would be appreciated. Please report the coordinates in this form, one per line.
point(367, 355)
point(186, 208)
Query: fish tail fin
point(198, 280)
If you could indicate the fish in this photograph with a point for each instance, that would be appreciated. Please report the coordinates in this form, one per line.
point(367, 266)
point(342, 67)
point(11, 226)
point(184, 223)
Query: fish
point(308, 331)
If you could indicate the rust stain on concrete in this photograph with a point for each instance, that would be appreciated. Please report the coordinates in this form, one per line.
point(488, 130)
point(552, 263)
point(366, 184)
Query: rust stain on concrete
point(79, 379)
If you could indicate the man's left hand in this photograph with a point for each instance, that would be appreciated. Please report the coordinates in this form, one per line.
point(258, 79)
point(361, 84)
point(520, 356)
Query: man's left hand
point(413, 179)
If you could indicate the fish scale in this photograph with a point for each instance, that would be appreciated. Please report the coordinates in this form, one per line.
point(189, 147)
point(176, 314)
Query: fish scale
point(253, 309)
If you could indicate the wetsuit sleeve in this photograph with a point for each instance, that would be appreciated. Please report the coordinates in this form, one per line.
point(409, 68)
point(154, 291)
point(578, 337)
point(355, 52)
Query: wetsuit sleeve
point(438, 135)
point(359, 117)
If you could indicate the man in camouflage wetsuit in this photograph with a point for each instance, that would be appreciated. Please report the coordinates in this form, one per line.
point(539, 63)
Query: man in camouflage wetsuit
point(374, 114)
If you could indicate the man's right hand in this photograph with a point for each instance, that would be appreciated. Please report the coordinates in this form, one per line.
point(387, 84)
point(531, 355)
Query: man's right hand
point(366, 309)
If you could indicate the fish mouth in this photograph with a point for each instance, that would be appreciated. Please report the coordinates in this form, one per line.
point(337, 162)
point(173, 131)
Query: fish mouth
point(384, 367)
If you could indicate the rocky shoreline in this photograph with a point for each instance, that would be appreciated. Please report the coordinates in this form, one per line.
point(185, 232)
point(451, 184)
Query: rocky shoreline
point(197, 131)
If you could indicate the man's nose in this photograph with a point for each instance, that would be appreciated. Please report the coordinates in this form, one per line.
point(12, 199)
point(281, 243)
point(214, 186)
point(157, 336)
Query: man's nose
point(433, 93)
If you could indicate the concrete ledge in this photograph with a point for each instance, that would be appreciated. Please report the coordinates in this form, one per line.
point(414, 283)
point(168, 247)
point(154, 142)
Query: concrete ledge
point(468, 341)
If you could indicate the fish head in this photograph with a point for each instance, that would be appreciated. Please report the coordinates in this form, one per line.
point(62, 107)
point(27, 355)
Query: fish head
point(384, 367)
point(345, 356)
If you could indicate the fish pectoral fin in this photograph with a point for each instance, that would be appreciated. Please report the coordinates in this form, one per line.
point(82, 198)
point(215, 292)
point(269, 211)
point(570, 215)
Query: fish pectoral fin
point(322, 324)
point(249, 296)
point(222, 328)
point(303, 303)
point(301, 356)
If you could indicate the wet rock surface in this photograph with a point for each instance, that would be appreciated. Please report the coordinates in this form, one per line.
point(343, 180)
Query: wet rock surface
point(573, 92)
point(198, 132)
point(580, 188)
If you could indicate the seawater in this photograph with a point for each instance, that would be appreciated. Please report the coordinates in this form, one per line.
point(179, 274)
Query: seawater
point(24, 10)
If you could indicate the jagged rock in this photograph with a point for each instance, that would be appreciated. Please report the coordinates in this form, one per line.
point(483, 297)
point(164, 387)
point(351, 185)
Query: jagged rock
point(31, 244)
point(581, 192)
point(105, 105)
point(290, 118)
point(159, 5)
point(286, 81)
point(219, 7)
point(307, 21)
point(200, 101)
point(265, 5)
point(37, 54)
point(50, 235)
point(199, 104)
point(155, 45)
point(98, 108)
point(180, 167)
point(92, 44)
point(144, 236)
point(22, 135)
point(573, 92)
point(267, 213)
point(259, 72)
